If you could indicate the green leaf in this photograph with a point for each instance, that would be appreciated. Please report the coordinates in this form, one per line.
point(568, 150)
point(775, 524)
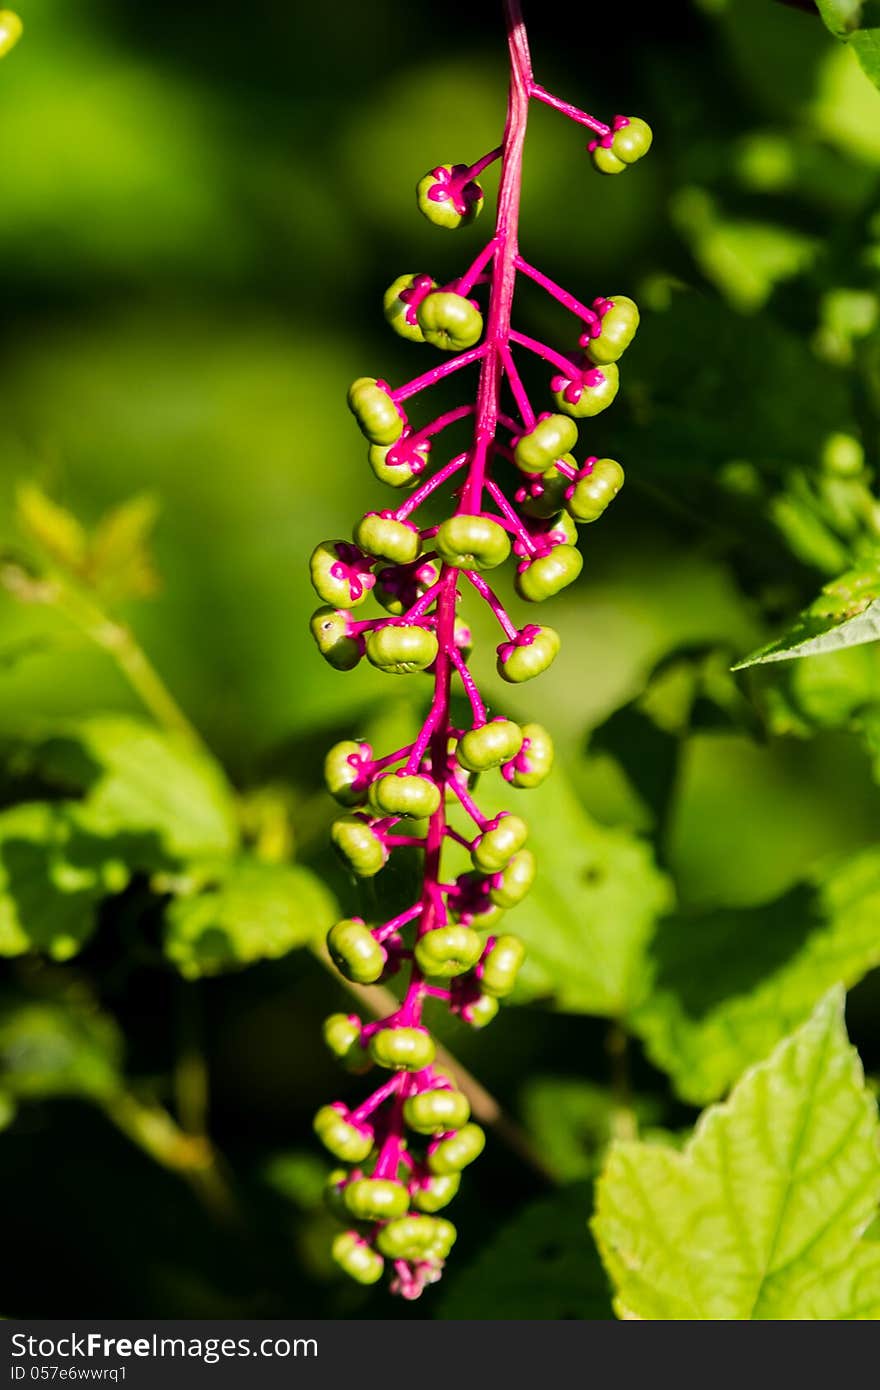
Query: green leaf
point(119, 561)
point(596, 897)
point(856, 22)
point(54, 529)
point(58, 1048)
point(542, 1264)
point(254, 912)
point(52, 878)
point(760, 1217)
point(726, 985)
point(813, 636)
point(572, 1122)
point(157, 794)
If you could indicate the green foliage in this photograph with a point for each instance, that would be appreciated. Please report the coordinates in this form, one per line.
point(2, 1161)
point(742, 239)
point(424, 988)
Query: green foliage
point(58, 1047)
point(247, 911)
point(760, 1216)
point(857, 23)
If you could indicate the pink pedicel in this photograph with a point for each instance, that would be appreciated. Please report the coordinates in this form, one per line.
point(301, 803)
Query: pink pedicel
point(428, 592)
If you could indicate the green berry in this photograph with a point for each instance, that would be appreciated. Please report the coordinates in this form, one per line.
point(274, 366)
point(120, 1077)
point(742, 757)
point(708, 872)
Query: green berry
point(449, 207)
point(497, 845)
point(376, 1199)
point(489, 746)
point(516, 880)
point(344, 1140)
point(340, 574)
point(399, 314)
point(632, 141)
point(548, 574)
point(436, 1192)
point(329, 627)
point(535, 759)
point(563, 530)
point(448, 951)
point(472, 543)
point(606, 161)
point(842, 456)
point(500, 965)
point(405, 794)
point(444, 1237)
point(403, 1049)
point(358, 845)
point(436, 1112)
point(452, 1154)
point(377, 415)
point(449, 321)
point(396, 589)
point(400, 650)
point(619, 324)
point(554, 487)
point(521, 661)
point(593, 493)
point(388, 539)
point(359, 1260)
point(593, 398)
point(355, 951)
point(342, 1034)
point(407, 1237)
point(549, 440)
point(343, 772)
point(397, 465)
point(480, 1012)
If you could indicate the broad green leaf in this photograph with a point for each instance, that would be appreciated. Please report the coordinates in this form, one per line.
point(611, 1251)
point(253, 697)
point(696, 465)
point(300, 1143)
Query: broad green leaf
point(52, 878)
point(592, 909)
point(813, 636)
point(760, 1217)
point(54, 529)
point(157, 795)
point(59, 1047)
point(726, 985)
point(572, 1122)
point(541, 1264)
point(253, 912)
point(856, 22)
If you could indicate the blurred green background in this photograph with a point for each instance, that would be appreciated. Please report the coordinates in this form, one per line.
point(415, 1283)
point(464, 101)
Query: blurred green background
point(200, 207)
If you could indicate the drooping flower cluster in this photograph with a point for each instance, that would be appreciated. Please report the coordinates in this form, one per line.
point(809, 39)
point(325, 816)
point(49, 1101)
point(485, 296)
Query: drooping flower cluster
point(407, 1143)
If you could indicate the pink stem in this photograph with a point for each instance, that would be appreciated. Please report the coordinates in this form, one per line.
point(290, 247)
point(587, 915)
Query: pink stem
point(470, 687)
point(568, 300)
point(421, 605)
point(542, 350)
point(389, 928)
point(420, 746)
point(476, 170)
point(509, 424)
point(415, 500)
point(419, 383)
point(508, 626)
point(573, 112)
point(523, 404)
point(402, 839)
point(471, 276)
point(469, 804)
point(459, 839)
point(509, 513)
point(375, 1100)
point(450, 417)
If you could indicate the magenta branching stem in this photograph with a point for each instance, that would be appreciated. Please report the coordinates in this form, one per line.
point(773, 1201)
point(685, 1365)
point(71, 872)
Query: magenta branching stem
point(412, 1134)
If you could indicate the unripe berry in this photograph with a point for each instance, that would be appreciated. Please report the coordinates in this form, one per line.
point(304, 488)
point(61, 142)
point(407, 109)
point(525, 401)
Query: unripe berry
point(388, 539)
point(443, 1239)
point(489, 746)
point(376, 1199)
point(446, 199)
point(380, 420)
point(436, 1112)
point(605, 161)
point(595, 491)
point(400, 650)
point(516, 880)
point(407, 1237)
point(632, 140)
point(536, 649)
point(548, 574)
point(472, 542)
point(561, 530)
point(344, 772)
point(340, 574)
point(448, 951)
point(329, 627)
point(619, 324)
point(549, 440)
point(480, 1012)
point(358, 845)
point(402, 794)
point(452, 1154)
point(497, 845)
point(546, 494)
point(449, 321)
point(436, 1192)
point(400, 302)
point(500, 965)
point(399, 464)
point(359, 1260)
point(533, 763)
point(345, 1141)
point(355, 951)
point(589, 395)
point(403, 1049)
point(342, 1034)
